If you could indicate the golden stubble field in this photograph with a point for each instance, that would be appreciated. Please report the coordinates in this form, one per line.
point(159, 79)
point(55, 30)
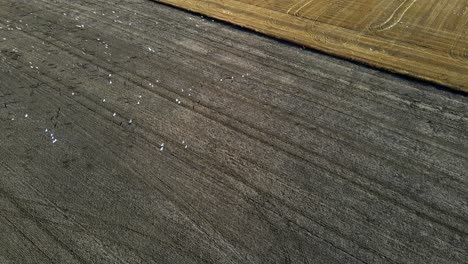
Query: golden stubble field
point(425, 39)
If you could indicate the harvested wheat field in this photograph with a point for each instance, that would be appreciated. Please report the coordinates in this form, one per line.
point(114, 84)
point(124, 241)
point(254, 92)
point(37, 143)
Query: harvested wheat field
point(133, 132)
point(425, 39)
